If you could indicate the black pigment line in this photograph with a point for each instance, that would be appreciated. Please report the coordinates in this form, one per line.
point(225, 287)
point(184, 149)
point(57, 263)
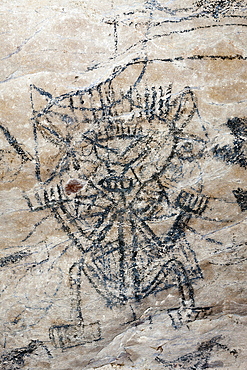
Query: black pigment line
point(241, 197)
point(35, 227)
point(115, 24)
point(14, 359)
point(134, 261)
point(180, 32)
point(198, 28)
point(14, 143)
point(37, 161)
point(199, 359)
point(13, 258)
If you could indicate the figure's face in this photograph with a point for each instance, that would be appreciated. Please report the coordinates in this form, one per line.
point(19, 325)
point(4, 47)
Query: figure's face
point(119, 146)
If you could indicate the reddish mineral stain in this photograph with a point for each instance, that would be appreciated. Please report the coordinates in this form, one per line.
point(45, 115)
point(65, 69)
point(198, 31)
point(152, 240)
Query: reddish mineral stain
point(73, 186)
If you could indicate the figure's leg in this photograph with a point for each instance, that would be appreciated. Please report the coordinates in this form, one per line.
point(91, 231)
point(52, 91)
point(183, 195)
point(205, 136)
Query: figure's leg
point(91, 318)
point(76, 332)
point(75, 288)
point(184, 312)
point(185, 287)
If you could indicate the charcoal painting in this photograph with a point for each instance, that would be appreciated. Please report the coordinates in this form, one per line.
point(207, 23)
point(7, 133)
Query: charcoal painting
point(123, 187)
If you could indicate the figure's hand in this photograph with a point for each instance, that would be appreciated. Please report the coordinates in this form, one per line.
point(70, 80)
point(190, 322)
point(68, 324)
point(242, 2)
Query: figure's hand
point(192, 202)
point(241, 197)
point(47, 198)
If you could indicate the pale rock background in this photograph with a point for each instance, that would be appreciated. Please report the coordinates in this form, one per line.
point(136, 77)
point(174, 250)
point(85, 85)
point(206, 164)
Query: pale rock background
point(64, 46)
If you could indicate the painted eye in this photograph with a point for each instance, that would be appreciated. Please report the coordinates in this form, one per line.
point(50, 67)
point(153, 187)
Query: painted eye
point(187, 147)
point(86, 149)
point(68, 119)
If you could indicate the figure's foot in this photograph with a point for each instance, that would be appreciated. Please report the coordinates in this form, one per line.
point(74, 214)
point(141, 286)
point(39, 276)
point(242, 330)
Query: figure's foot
point(66, 336)
point(183, 315)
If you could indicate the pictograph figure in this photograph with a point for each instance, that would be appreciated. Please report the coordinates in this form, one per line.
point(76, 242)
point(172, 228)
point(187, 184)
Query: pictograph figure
point(113, 181)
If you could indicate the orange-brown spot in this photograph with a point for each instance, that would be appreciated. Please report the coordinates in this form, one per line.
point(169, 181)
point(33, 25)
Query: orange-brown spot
point(73, 186)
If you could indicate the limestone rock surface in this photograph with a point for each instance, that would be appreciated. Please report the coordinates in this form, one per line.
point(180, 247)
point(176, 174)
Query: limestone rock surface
point(123, 191)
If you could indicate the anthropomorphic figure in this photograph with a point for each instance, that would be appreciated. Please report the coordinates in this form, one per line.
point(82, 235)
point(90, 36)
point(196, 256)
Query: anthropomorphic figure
point(124, 189)
point(119, 174)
